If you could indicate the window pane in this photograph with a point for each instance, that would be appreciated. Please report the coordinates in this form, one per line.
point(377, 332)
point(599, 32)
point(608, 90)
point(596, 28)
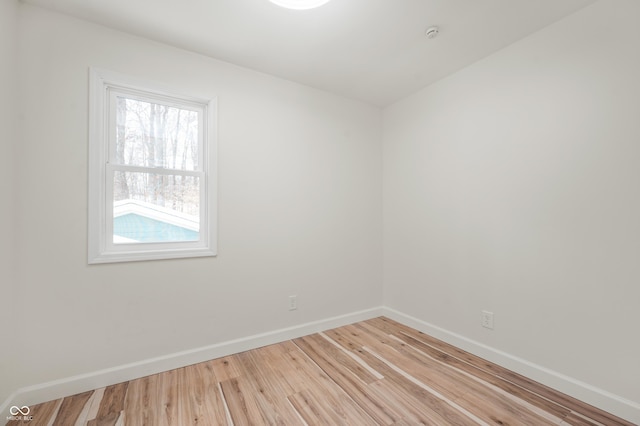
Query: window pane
point(155, 208)
point(155, 135)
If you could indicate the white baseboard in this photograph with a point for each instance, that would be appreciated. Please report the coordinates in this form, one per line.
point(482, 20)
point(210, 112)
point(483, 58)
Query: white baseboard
point(48, 391)
point(600, 398)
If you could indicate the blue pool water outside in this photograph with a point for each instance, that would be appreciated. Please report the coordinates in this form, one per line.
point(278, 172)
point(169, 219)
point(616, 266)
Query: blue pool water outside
point(146, 230)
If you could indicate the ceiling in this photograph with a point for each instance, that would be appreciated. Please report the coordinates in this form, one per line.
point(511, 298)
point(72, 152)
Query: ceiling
point(371, 50)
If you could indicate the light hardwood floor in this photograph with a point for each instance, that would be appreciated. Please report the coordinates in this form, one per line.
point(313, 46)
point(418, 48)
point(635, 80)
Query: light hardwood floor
point(376, 372)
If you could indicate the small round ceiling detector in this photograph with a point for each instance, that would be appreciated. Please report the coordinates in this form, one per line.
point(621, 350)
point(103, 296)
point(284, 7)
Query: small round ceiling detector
point(432, 32)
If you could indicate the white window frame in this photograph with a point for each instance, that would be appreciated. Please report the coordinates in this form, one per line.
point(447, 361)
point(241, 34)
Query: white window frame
point(104, 85)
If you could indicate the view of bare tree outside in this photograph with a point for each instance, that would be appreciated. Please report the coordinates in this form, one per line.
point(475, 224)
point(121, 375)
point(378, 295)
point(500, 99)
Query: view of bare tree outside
point(155, 136)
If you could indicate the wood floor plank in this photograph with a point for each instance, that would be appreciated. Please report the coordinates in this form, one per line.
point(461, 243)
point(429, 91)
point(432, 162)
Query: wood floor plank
point(414, 411)
point(274, 359)
point(300, 370)
point(71, 408)
point(95, 401)
point(559, 398)
point(376, 372)
point(314, 380)
point(428, 391)
point(141, 402)
point(312, 406)
point(110, 419)
point(315, 348)
point(268, 390)
point(524, 400)
point(503, 414)
point(408, 390)
point(90, 409)
point(574, 420)
point(434, 375)
point(111, 405)
point(45, 413)
point(444, 381)
point(210, 403)
point(261, 368)
point(312, 410)
point(403, 422)
point(242, 405)
point(440, 377)
point(167, 399)
point(505, 385)
point(190, 391)
point(367, 375)
point(224, 368)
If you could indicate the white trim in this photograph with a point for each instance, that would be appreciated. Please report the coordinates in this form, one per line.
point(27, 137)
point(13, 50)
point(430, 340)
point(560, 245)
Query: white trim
point(585, 392)
point(101, 248)
point(55, 389)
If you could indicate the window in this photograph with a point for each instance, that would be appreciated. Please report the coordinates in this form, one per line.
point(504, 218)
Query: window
point(151, 172)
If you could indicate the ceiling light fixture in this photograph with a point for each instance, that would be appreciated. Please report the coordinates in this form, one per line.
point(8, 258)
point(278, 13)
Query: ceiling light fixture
point(299, 4)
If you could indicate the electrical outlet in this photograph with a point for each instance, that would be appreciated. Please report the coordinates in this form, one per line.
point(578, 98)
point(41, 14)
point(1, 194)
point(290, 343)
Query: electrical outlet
point(486, 320)
point(293, 303)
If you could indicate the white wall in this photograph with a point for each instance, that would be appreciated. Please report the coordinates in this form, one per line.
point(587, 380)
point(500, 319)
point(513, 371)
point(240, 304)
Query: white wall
point(513, 186)
point(8, 135)
point(300, 173)
point(510, 186)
